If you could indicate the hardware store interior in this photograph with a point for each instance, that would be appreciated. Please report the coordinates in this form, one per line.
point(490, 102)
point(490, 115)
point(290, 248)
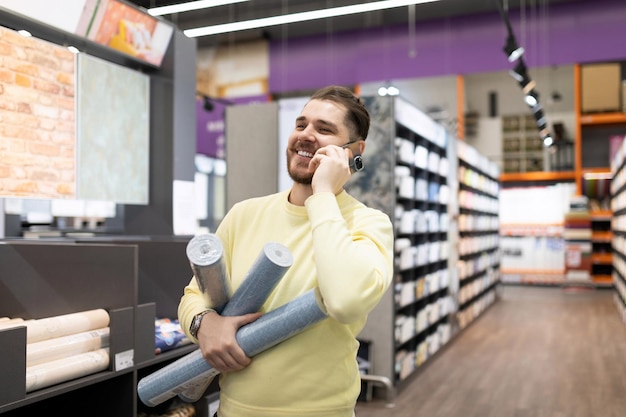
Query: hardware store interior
point(496, 149)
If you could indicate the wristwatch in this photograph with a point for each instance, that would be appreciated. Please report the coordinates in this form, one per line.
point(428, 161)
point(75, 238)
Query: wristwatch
point(195, 323)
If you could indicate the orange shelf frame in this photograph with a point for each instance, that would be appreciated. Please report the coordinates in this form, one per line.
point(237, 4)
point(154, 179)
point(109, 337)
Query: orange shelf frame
point(602, 258)
point(539, 176)
point(601, 215)
point(602, 279)
point(602, 118)
point(601, 236)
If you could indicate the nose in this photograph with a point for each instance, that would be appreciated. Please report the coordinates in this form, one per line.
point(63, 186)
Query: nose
point(307, 134)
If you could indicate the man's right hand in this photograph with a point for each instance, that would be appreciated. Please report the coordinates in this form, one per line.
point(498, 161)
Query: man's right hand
point(219, 347)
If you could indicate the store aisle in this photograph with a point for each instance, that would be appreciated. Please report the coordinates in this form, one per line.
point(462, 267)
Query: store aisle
point(537, 352)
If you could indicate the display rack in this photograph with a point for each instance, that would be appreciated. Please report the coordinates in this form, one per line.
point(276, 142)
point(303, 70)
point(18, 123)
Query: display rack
point(618, 228)
point(522, 144)
point(406, 176)
point(479, 234)
point(135, 280)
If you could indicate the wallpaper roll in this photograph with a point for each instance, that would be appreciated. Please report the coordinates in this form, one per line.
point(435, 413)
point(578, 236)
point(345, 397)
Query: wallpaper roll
point(10, 323)
point(63, 325)
point(62, 370)
point(264, 274)
point(269, 330)
point(205, 254)
point(269, 267)
point(66, 346)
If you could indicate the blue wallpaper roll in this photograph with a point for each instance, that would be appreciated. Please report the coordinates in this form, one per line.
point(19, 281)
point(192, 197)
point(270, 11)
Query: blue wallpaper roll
point(269, 267)
point(269, 330)
point(205, 254)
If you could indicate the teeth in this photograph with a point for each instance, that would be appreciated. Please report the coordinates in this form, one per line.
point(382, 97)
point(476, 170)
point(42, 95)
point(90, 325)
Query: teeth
point(305, 154)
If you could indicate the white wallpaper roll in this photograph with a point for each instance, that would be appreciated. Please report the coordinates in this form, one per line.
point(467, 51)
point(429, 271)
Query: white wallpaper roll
point(63, 325)
point(12, 323)
point(62, 370)
point(66, 346)
point(205, 254)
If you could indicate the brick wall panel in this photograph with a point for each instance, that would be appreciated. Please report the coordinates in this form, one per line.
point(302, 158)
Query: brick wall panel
point(37, 116)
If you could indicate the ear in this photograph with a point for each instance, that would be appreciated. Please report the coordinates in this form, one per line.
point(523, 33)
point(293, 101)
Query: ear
point(361, 144)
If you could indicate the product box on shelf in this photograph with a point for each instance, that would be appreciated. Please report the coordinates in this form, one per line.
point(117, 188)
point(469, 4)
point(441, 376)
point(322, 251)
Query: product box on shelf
point(601, 87)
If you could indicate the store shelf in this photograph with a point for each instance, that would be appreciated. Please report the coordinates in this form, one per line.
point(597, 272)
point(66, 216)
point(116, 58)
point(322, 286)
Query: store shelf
point(551, 230)
point(601, 236)
point(602, 258)
point(601, 215)
point(411, 327)
point(602, 118)
point(538, 176)
point(603, 279)
point(133, 280)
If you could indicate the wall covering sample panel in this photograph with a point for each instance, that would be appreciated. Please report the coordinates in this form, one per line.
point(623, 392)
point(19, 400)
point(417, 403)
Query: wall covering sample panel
point(113, 132)
point(37, 131)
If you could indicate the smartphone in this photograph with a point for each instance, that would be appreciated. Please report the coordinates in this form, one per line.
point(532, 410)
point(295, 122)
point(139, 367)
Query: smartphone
point(356, 163)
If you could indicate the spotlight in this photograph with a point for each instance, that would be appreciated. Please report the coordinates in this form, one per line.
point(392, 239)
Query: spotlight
point(388, 91)
point(532, 99)
point(548, 141)
point(512, 50)
point(392, 91)
point(520, 74)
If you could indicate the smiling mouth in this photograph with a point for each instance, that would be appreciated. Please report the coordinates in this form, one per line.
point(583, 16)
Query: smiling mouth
point(305, 154)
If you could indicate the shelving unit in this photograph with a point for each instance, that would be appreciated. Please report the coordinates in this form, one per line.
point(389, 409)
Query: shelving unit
point(522, 145)
point(602, 255)
point(410, 183)
point(444, 276)
point(479, 234)
point(591, 138)
point(135, 280)
point(618, 229)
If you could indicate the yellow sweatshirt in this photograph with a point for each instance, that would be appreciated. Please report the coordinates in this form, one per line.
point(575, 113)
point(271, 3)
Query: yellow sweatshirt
point(338, 245)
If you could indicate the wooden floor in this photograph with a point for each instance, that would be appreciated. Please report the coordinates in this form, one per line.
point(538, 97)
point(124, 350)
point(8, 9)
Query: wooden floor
point(537, 352)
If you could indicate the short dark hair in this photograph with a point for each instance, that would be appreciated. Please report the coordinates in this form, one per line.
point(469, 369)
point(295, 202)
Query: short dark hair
point(357, 116)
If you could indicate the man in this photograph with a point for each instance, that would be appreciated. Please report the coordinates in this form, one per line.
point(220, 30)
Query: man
point(339, 246)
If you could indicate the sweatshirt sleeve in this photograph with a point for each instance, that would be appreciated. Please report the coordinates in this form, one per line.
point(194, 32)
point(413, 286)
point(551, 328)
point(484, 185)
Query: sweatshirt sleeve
point(355, 264)
point(191, 303)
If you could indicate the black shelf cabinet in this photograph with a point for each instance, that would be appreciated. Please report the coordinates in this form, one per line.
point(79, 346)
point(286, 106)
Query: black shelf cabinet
point(134, 279)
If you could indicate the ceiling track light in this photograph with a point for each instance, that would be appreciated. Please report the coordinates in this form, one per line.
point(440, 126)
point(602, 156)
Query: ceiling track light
point(520, 73)
point(512, 50)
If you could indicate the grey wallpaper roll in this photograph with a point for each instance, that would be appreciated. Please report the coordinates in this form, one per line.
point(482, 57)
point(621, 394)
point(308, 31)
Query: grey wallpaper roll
point(263, 276)
point(269, 267)
point(269, 330)
point(205, 254)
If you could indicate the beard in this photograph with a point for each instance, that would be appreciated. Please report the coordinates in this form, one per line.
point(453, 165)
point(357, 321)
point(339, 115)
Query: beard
point(299, 174)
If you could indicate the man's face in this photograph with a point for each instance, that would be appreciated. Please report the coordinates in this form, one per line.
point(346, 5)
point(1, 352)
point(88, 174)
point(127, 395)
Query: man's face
point(320, 123)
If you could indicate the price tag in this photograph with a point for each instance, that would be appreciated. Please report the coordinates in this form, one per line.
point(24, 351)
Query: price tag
point(124, 359)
